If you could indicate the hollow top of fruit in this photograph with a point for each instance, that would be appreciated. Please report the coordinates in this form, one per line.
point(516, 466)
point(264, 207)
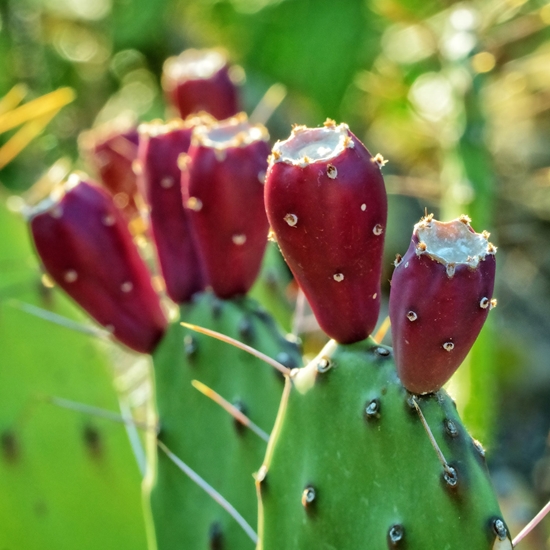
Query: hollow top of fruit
point(307, 145)
point(232, 132)
point(159, 127)
point(452, 243)
point(51, 196)
point(194, 64)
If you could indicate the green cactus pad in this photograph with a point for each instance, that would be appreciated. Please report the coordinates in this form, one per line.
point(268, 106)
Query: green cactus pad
point(201, 433)
point(364, 473)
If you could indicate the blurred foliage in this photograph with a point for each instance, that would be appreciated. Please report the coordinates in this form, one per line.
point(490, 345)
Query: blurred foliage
point(455, 94)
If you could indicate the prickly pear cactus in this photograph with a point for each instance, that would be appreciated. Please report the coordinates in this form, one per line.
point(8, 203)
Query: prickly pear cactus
point(364, 473)
point(201, 433)
point(374, 466)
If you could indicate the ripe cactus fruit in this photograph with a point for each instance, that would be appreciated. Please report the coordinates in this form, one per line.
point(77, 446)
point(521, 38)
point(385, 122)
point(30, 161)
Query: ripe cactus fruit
point(363, 472)
point(110, 150)
point(201, 433)
point(222, 185)
point(326, 203)
point(159, 178)
point(441, 294)
point(86, 247)
point(200, 80)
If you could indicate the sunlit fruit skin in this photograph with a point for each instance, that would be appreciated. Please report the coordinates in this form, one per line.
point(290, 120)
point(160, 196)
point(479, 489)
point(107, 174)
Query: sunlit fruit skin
point(111, 150)
point(190, 92)
point(86, 247)
point(159, 149)
point(437, 310)
point(329, 218)
point(222, 187)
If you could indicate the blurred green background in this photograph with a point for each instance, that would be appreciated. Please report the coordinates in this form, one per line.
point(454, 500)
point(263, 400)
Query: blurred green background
point(456, 95)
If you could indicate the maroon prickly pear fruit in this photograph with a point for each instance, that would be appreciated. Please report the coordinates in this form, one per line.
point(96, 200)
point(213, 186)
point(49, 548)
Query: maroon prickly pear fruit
point(200, 80)
point(159, 149)
point(87, 249)
point(326, 203)
point(110, 150)
point(222, 184)
point(441, 293)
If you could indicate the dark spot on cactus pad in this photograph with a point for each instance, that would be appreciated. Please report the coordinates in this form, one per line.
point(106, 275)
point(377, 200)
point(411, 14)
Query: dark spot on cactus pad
point(10, 446)
point(40, 509)
point(240, 406)
point(246, 330)
point(372, 410)
point(450, 428)
point(308, 496)
point(215, 537)
point(92, 440)
point(190, 346)
point(499, 528)
point(217, 305)
point(286, 360)
point(396, 536)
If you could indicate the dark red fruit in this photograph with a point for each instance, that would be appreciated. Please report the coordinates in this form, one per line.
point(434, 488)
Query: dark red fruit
point(159, 149)
point(327, 206)
point(441, 293)
point(222, 184)
point(200, 80)
point(110, 150)
point(85, 246)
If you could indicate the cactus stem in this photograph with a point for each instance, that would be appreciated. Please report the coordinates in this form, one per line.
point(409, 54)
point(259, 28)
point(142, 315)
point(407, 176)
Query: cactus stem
point(531, 525)
point(210, 491)
point(218, 336)
point(59, 319)
point(450, 472)
point(231, 409)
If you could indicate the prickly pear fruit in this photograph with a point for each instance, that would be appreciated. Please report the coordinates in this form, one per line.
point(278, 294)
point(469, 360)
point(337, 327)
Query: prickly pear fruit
point(201, 433)
point(159, 178)
point(200, 80)
point(350, 464)
point(222, 185)
point(326, 203)
point(87, 249)
point(441, 293)
point(110, 150)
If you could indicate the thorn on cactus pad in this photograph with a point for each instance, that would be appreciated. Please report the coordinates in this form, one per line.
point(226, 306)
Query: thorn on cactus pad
point(378, 229)
point(500, 529)
point(451, 477)
point(484, 303)
point(338, 277)
point(372, 409)
point(308, 496)
point(396, 535)
point(479, 448)
point(324, 365)
point(262, 474)
point(363, 207)
point(70, 276)
point(382, 352)
point(450, 427)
